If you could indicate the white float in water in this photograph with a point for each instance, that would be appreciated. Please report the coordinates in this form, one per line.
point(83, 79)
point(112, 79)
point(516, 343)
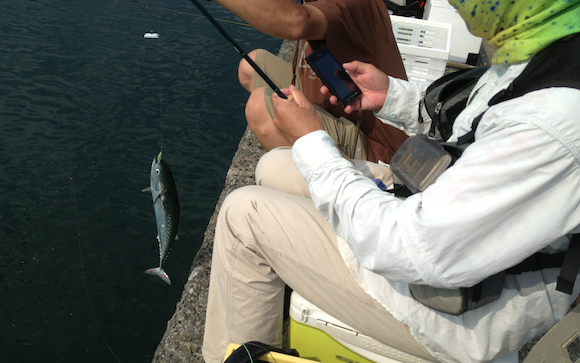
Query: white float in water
point(151, 35)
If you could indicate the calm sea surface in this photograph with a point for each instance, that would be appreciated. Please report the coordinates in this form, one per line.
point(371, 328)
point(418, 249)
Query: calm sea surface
point(85, 104)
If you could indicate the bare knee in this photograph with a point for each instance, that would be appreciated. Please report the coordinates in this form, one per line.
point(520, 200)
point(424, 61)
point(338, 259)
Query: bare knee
point(246, 72)
point(260, 121)
point(257, 114)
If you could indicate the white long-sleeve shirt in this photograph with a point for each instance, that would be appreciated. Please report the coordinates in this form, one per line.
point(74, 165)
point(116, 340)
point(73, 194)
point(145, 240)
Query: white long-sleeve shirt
point(515, 191)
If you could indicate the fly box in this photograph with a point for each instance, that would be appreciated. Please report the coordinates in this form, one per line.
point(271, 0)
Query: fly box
point(419, 162)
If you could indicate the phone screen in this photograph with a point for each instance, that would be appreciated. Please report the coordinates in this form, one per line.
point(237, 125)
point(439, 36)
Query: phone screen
point(333, 76)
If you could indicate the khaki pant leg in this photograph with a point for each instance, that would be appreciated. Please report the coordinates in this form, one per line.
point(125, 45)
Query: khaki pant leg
point(276, 170)
point(265, 238)
point(276, 68)
point(344, 132)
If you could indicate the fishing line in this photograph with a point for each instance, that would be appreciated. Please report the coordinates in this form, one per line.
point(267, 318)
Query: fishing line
point(179, 12)
point(73, 188)
point(159, 83)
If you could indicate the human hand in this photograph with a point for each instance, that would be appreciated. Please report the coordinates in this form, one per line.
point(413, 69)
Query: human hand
point(373, 83)
point(295, 116)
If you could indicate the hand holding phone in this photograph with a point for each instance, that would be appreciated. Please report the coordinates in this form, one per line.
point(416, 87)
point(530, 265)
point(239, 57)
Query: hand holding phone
point(333, 75)
point(373, 83)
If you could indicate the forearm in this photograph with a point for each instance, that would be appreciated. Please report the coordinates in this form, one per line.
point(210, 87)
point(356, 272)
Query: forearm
point(283, 19)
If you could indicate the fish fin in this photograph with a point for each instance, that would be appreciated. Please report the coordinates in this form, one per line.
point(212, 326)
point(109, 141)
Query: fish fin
point(148, 189)
point(176, 237)
point(157, 197)
point(162, 194)
point(158, 271)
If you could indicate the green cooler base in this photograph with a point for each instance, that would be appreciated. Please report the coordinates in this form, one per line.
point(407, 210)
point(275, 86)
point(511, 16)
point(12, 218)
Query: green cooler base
point(320, 337)
point(314, 344)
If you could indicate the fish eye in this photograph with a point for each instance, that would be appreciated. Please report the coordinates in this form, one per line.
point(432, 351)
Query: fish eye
point(157, 171)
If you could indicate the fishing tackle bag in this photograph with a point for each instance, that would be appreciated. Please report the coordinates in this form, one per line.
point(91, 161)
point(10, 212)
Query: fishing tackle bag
point(556, 66)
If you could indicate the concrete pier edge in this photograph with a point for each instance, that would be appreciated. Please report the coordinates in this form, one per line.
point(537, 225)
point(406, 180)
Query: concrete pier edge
point(184, 334)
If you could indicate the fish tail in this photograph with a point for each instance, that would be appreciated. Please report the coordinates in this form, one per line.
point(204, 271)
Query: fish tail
point(158, 271)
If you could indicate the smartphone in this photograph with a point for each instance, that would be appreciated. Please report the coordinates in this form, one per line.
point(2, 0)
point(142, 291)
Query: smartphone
point(333, 75)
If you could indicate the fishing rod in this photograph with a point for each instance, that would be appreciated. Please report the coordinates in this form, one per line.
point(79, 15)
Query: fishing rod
point(239, 49)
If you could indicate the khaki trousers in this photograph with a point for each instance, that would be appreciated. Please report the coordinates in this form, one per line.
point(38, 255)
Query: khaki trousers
point(265, 239)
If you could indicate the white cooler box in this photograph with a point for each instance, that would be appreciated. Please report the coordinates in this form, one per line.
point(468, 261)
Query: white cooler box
point(318, 336)
point(463, 43)
point(424, 46)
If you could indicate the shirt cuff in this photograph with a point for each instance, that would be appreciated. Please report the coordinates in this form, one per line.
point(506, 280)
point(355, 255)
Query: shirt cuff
point(401, 107)
point(313, 150)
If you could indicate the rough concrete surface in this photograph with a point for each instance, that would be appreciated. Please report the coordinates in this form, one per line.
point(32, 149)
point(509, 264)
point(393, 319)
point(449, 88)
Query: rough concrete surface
point(184, 335)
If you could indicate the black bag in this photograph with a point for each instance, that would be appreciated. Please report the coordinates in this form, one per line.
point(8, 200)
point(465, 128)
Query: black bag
point(446, 97)
point(555, 66)
point(458, 301)
point(411, 8)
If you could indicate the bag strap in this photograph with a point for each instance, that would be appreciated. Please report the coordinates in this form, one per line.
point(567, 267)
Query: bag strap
point(469, 137)
point(536, 262)
point(570, 267)
point(555, 66)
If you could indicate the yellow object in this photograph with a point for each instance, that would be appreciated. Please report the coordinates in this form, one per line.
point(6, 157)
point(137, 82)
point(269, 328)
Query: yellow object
point(318, 336)
point(270, 357)
point(314, 344)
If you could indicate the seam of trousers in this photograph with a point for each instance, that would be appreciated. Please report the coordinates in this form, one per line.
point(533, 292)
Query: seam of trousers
point(229, 285)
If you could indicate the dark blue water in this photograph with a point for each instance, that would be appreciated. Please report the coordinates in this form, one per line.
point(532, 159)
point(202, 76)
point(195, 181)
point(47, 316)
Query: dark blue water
point(85, 104)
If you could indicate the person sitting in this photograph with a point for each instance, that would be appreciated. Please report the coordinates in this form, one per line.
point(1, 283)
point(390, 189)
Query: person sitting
point(351, 29)
point(355, 251)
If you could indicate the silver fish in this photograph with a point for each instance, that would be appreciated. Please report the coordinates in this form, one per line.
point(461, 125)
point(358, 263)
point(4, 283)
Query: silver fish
point(167, 211)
